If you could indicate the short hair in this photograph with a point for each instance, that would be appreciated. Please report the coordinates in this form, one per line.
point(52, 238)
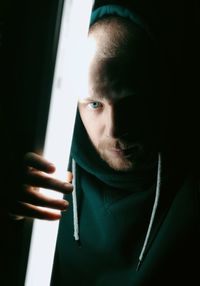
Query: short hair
point(121, 36)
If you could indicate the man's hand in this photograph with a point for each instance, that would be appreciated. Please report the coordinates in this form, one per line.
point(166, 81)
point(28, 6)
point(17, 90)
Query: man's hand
point(29, 200)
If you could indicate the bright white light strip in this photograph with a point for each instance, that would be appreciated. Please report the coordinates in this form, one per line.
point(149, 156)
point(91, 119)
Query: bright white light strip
point(68, 76)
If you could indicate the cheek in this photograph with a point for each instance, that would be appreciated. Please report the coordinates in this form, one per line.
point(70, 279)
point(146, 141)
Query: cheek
point(93, 132)
point(91, 126)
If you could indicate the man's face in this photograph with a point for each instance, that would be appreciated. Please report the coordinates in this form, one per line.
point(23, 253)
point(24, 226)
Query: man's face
point(115, 113)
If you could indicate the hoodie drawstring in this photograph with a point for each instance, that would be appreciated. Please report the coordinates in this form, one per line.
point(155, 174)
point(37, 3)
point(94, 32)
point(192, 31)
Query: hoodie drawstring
point(153, 213)
point(74, 200)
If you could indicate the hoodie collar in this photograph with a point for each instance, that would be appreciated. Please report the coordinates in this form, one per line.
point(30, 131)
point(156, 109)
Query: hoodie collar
point(88, 159)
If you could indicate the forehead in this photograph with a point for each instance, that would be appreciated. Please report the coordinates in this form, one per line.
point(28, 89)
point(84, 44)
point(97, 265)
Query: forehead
point(114, 79)
point(115, 76)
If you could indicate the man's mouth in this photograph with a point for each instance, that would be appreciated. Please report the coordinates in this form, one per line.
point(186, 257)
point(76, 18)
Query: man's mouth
point(125, 152)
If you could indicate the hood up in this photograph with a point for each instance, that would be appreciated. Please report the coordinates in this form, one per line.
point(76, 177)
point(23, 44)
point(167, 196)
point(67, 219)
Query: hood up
point(85, 156)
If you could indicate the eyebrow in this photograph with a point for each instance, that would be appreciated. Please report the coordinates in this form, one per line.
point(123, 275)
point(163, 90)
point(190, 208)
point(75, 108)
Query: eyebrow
point(90, 98)
point(106, 97)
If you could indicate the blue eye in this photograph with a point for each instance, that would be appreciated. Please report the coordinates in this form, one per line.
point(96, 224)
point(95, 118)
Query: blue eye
point(95, 105)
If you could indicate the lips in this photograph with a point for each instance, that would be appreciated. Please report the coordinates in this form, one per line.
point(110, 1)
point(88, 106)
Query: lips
point(125, 152)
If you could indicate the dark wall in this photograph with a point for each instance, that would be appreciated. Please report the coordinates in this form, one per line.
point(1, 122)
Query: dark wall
point(27, 60)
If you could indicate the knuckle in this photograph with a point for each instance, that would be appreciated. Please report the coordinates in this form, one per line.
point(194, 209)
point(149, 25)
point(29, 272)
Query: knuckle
point(28, 156)
point(49, 181)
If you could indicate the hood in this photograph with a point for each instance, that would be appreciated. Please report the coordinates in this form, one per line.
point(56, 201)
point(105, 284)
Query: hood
point(88, 159)
point(85, 156)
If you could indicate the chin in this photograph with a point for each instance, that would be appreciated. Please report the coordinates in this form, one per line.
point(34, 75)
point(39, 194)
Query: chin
point(120, 168)
point(117, 164)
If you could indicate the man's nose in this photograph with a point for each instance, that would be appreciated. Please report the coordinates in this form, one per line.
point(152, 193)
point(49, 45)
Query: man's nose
point(114, 123)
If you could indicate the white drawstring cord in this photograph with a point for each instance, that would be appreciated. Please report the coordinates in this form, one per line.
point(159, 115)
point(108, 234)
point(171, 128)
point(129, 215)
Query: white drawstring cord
point(157, 195)
point(74, 200)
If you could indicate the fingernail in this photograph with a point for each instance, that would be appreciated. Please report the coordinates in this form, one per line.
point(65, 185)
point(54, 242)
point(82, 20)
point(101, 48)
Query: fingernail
point(69, 177)
point(65, 205)
point(51, 167)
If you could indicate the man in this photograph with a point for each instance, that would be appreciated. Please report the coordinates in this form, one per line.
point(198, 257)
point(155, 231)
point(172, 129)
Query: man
point(138, 216)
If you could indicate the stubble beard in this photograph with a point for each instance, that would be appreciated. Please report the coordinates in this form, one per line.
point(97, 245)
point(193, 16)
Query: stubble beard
point(117, 162)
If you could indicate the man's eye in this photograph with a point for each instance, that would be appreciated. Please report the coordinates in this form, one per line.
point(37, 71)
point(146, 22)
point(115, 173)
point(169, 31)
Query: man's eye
point(95, 105)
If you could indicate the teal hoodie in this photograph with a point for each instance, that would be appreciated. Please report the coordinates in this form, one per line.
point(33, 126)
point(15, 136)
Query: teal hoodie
point(114, 212)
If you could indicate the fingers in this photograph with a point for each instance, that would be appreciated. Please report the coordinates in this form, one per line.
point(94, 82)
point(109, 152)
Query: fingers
point(31, 211)
point(38, 162)
point(32, 204)
point(42, 180)
point(32, 196)
point(36, 174)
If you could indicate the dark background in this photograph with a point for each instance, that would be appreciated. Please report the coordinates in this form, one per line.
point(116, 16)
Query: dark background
point(28, 30)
